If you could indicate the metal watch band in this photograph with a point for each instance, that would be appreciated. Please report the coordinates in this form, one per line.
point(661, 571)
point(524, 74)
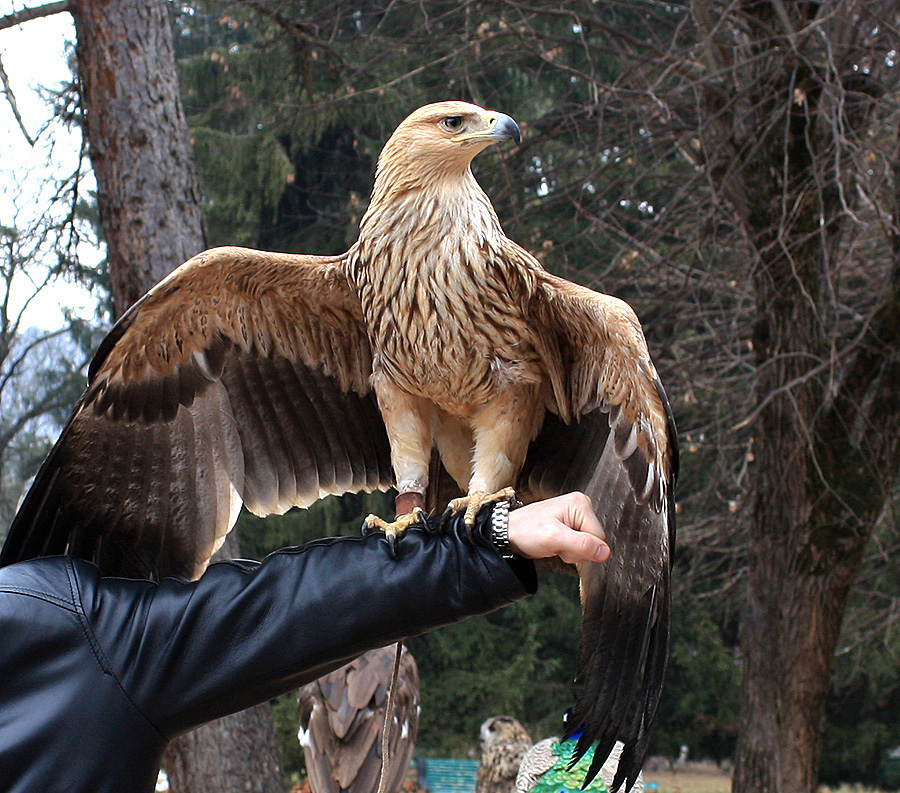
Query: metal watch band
point(500, 529)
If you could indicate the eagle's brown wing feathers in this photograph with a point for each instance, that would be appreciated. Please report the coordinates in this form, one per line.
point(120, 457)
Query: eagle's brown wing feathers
point(243, 376)
point(620, 450)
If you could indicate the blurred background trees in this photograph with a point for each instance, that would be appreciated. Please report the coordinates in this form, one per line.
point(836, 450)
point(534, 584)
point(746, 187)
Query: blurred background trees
point(729, 169)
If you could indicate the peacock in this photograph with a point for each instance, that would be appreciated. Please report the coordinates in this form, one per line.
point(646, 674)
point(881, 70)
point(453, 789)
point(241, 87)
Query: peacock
point(545, 768)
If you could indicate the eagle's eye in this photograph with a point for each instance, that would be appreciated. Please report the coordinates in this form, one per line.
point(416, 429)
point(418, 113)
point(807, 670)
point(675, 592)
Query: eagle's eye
point(453, 123)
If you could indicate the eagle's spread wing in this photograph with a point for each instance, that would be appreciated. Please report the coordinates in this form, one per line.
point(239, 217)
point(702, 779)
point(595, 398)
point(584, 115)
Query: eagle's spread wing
point(620, 449)
point(243, 376)
point(341, 718)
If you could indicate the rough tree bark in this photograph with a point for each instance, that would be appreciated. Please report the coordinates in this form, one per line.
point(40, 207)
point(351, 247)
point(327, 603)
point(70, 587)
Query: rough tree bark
point(138, 139)
point(149, 201)
point(205, 759)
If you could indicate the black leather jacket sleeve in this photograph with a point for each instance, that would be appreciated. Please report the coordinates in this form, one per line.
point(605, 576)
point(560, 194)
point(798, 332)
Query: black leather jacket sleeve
point(188, 652)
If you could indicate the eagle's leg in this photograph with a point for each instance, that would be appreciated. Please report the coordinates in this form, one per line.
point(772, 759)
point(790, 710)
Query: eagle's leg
point(406, 420)
point(502, 430)
point(408, 502)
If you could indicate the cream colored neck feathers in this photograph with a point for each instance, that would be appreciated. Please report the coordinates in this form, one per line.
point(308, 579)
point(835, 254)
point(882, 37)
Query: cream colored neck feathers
point(417, 213)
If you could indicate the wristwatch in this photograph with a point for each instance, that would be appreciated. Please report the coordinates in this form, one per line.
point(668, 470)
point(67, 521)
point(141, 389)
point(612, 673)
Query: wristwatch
point(500, 528)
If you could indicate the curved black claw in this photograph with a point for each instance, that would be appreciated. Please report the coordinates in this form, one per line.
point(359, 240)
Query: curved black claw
point(392, 545)
point(432, 526)
point(450, 513)
point(369, 526)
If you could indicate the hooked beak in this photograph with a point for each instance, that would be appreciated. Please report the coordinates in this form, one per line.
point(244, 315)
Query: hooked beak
point(502, 126)
point(499, 126)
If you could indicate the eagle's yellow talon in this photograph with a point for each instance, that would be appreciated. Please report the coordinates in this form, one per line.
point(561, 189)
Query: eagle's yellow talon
point(396, 527)
point(474, 501)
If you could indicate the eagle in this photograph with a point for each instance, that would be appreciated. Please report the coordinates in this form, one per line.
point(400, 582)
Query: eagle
point(341, 719)
point(272, 379)
point(504, 742)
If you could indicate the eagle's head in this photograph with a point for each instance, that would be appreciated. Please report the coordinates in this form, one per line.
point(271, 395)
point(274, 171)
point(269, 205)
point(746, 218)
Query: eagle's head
point(438, 141)
point(425, 196)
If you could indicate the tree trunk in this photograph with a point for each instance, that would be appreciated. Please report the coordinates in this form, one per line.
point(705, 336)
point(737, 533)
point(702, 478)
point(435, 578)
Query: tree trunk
point(812, 520)
point(786, 639)
point(821, 483)
point(138, 140)
point(205, 760)
point(797, 590)
point(149, 201)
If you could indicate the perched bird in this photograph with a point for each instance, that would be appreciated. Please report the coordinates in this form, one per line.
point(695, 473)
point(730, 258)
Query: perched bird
point(545, 768)
point(273, 379)
point(504, 743)
point(341, 719)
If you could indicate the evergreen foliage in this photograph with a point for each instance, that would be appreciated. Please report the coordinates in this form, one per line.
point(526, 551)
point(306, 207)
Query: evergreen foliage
point(516, 661)
point(861, 717)
point(700, 707)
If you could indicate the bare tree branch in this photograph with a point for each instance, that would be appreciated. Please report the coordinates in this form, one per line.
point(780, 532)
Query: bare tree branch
point(10, 97)
point(38, 12)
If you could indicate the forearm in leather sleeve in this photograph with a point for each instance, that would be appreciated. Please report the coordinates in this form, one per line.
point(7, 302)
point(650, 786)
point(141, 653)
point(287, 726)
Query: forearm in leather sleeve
point(188, 652)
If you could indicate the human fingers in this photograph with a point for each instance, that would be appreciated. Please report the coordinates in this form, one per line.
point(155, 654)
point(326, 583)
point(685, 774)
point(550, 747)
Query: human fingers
point(564, 526)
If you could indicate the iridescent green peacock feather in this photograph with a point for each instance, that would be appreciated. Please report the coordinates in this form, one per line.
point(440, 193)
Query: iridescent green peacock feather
point(562, 779)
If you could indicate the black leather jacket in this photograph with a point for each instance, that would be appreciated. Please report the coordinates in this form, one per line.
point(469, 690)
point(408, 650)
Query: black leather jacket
point(97, 674)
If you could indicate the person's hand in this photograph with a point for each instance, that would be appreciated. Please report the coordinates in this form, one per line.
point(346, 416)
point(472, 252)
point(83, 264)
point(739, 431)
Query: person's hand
point(565, 526)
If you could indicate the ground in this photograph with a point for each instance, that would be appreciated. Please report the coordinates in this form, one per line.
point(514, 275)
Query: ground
point(708, 778)
point(695, 778)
